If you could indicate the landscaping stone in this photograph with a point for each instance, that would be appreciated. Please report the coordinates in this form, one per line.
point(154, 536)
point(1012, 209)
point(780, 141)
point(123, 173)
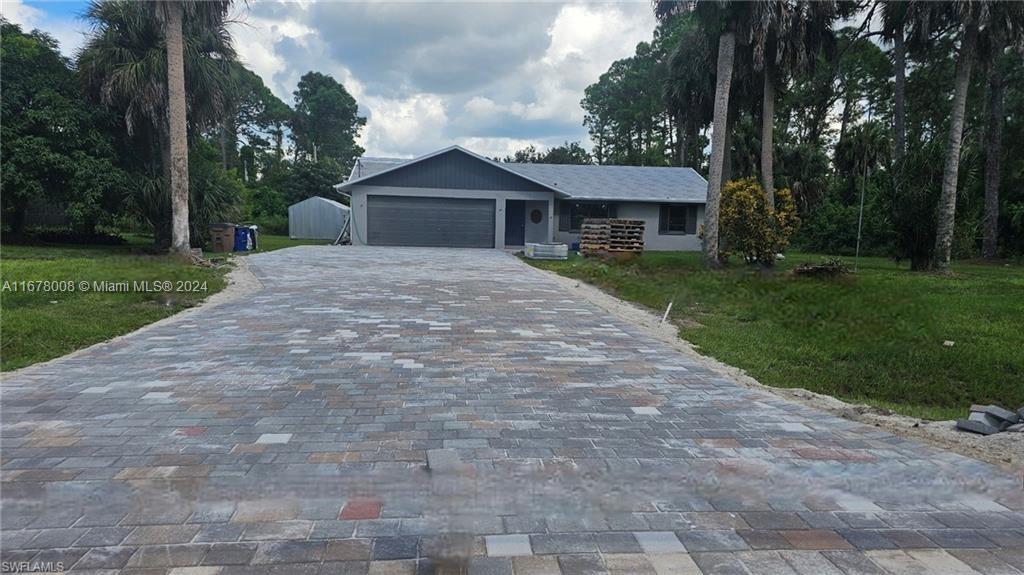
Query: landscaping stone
point(996, 412)
point(976, 426)
point(990, 419)
point(987, 419)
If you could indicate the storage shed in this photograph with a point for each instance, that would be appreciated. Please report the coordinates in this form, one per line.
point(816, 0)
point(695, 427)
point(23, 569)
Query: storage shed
point(316, 218)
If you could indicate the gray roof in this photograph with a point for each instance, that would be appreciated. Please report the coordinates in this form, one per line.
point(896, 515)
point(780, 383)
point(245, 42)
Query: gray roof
point(322, 199)
point(636, 183)
point(589, 182)
point(367, 166)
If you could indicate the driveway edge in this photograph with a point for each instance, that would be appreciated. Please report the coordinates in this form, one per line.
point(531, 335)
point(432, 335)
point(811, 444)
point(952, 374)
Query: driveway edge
point(239, 280)
point(1004, 452)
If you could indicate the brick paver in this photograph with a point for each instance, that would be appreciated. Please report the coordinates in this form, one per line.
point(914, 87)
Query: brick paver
point(289, 429)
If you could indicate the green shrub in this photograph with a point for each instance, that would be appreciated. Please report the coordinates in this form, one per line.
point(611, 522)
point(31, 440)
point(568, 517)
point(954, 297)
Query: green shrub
point(749, 227)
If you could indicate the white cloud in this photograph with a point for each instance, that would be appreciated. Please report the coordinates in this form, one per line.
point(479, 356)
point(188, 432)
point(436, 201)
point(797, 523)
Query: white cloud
point(498, 147)
point(69, 32)
point(492, 76)
point(20, 13)
point(405, 127)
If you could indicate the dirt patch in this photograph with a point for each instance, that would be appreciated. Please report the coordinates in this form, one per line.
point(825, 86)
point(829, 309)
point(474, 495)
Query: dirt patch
point(1005, 450)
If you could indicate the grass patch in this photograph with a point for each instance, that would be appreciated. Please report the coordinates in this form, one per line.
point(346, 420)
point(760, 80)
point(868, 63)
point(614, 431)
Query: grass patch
point(270, 243)
point(874, 337)
point(37, 326)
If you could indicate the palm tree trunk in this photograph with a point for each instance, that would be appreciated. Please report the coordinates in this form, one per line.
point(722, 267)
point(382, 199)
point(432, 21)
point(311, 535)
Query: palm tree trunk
point(683, 141)
point(947, 201)
point(723, 83)
point(767, 124)
point(993, 154)
point(899, 116)
point(730, 125)
point(178, 129)
point(844, 118)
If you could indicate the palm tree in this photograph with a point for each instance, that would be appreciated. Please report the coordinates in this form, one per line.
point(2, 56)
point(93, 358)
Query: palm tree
point(895, 17)
point(1006, 27)
point(125, 67)
point(993, 18)
point(724, 18)
point(947, 199)
point(786, 36)
point(171, 12)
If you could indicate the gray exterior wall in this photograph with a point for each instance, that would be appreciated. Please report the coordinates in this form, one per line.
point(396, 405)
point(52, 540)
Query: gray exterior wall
point(455, 170)
point(316, 219)
point(539, 233)
point(650, 213)
point(535, 198)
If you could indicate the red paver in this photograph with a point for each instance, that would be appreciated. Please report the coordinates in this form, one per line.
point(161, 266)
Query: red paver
point(361, 509)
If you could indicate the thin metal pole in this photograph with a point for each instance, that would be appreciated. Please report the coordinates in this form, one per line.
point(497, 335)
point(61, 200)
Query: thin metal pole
point(860, 216)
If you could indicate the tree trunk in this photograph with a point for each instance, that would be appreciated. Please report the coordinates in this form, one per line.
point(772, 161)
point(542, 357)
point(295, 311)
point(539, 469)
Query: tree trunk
point(844, 118)
point(899, 115)
point(683, 137)
point(767, 125)
point(723, 83)
point(178, 129)
point(730, 125)
point(223, 146)
point(993, 153)
point(947, 201)
point(229, 141)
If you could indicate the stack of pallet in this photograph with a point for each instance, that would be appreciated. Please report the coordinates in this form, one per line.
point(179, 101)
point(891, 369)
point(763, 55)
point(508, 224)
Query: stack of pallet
point(611, 235)
point(594, 236)
point(626, 236)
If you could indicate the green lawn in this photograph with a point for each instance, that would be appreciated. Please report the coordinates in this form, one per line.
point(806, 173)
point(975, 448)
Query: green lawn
point(270, 243)
point(874, 337)
point(36, 326)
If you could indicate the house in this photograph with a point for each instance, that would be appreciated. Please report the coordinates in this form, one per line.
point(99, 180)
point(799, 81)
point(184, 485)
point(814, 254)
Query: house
point(456, 198)
point(317, 218)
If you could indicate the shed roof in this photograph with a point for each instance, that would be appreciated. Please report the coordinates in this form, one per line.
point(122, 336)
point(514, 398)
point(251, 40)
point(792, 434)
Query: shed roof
point(321, 199)
point(586, 182)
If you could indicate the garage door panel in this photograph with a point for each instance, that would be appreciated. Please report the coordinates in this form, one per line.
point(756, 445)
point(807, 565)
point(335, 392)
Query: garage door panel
point(430, 222)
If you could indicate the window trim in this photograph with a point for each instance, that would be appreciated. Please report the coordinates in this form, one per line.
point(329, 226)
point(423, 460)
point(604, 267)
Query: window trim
point(570, 205)
point(663, 220)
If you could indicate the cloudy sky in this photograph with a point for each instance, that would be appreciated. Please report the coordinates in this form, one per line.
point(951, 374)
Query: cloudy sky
point(490, 76)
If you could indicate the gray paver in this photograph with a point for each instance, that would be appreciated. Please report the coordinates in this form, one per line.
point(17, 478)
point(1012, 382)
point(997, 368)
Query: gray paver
point(574, 431)
point(508, 545)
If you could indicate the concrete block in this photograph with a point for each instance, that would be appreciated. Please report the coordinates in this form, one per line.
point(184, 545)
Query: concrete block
point(997, 412)
point(1017, 428)
point(987, 419)
point(975, 426)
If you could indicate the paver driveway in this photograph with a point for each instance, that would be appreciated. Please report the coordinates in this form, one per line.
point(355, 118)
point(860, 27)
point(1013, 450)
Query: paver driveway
point(288, 431)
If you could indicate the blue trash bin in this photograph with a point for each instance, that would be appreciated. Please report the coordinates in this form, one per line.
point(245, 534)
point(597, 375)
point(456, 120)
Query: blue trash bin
point(241, 239)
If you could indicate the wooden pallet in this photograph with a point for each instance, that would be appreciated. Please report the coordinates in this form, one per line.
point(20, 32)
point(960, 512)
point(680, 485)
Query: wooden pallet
point(611, 235)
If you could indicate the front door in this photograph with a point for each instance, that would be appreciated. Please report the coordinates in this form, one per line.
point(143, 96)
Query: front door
point(515, 222)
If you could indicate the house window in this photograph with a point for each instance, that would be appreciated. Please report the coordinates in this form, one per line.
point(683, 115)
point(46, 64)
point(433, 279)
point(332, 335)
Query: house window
point(572, 214)
point(678, 219)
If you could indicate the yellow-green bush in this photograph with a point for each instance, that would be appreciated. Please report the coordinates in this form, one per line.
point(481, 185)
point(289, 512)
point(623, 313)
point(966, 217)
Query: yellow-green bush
point(749, 227)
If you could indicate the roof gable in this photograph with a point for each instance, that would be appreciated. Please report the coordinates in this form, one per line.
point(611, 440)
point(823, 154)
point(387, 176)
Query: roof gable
point(450, 168)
